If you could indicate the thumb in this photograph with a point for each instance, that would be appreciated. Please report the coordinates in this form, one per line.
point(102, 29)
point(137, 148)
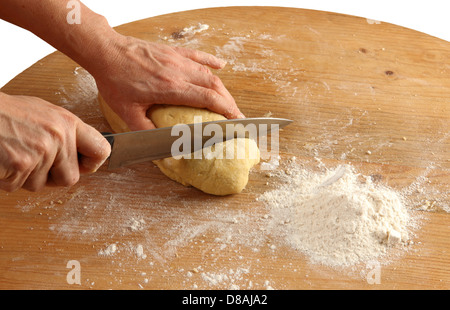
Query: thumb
point(92, 147)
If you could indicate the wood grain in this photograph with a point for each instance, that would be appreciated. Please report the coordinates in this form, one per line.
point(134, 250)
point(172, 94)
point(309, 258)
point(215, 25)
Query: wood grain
point(375, 95)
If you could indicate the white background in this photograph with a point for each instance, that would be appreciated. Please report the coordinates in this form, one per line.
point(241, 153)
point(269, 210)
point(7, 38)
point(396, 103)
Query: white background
point(19, 49)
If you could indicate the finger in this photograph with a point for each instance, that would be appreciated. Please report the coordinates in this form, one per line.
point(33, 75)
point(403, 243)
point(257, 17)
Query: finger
point(13, 183)
point(203, 77)
point(39, 176)
point(65, 170)
point(20, 173)
point(201, 97)
point(8, 186)
point(64, 173)
point(136, 118)
point(201, 57)
point(92, 148)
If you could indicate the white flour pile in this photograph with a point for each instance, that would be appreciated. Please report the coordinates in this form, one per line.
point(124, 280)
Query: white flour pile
point(337, 217)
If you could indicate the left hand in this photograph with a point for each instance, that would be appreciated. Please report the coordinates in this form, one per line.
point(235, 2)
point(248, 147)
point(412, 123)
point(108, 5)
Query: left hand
point(131, 74)
point(140, 74)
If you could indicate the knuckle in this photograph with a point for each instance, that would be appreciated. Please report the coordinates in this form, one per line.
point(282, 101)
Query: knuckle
point(33, 186)
point(59, 130)
point(64, 175)
point(173, 87)
point(62, 121)
point(68, 180)
point(173, 83)
point(11, 183)
point(44, 145)
point(56, 134)
point(205, 69)
point(8, 187)
point(71, 179)
point(216, 82)
point(211, 97)
point(21, 164)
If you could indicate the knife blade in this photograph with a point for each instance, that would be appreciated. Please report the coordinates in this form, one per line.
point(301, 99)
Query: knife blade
point(139, 146)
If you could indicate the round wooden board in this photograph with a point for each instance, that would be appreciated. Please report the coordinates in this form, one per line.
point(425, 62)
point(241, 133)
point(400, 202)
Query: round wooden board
point(374, 95)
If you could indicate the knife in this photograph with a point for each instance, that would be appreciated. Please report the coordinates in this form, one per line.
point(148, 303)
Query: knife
point(139, 146)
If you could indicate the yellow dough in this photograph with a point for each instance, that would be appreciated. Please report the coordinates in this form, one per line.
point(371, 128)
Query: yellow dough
point(218, 176)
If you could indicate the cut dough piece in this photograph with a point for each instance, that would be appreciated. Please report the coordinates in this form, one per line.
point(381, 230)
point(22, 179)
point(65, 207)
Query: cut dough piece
point(213, 174)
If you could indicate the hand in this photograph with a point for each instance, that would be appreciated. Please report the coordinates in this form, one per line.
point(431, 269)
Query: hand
point(140, 74)
point(43, 144)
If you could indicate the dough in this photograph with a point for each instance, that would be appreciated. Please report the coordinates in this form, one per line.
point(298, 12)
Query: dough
point(218, 176)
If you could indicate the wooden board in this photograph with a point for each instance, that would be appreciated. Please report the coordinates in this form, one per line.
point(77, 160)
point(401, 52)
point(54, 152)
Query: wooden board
point(371, 94)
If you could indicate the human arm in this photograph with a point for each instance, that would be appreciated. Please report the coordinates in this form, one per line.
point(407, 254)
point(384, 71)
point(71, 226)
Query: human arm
point(131, 74)
point(43, 144)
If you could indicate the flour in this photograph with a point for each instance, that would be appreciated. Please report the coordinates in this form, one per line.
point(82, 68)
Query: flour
point(110, 250)
point(335, 217)
point(136, 224)
point(187, 34)
point(139, 250)
point(229, 277)
point(194, 29)
point(85, 91)
point(338, 219)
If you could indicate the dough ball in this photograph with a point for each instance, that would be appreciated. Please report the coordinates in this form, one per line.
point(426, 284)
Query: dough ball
point(220, 171)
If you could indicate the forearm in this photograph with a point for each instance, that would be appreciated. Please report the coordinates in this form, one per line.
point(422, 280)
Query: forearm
point(131, 74)
point(85, 42)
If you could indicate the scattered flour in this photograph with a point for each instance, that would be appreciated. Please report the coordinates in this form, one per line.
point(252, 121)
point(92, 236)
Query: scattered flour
point(110, 250)
point(338, 217)
point(187, 33)
point(229, 277)
point(139, 250)
point(85, 91)
point(113, 248)
point(136, 224)
point(194, 29)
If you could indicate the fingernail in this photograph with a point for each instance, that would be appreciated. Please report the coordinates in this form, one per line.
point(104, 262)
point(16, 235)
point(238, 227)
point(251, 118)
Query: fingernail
point(222, 63)
point(90, 165)
point(241, 115)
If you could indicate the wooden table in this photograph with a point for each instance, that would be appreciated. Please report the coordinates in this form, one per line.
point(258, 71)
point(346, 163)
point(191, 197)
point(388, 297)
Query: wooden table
point(371, 94)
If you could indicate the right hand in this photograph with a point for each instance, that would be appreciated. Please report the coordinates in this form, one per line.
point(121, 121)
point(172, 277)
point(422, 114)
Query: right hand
point(43, 144)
